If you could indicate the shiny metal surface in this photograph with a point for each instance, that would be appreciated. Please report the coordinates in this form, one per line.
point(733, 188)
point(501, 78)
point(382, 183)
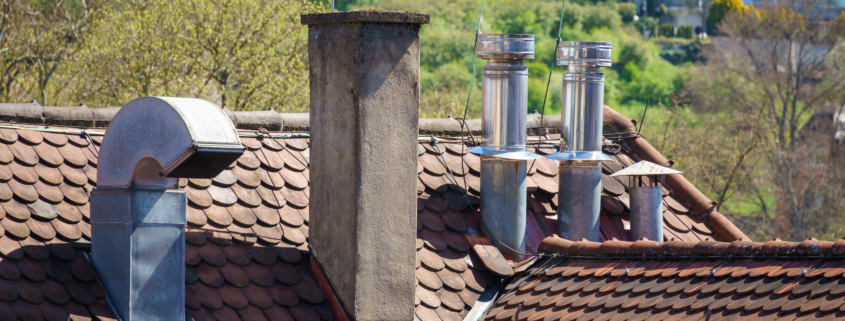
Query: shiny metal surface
point(138, 250)
point(579, 201)
point(504, 104)
point(186, 137)
point(480, 150)
point(582, 111)
point(138, 213)
point(512, 46)
point(503, 199)
point(646, 207)
point(504, 117)
point(579, 155)
point(646, 168)
point(584, 53)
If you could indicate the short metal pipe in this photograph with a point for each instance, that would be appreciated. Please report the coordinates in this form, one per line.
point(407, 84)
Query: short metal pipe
point(579, 200)
point(503, 199)
point(646, 208)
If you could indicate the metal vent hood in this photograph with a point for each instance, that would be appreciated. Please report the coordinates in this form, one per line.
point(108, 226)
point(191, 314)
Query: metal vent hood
point(188, 138)
point(646, 189)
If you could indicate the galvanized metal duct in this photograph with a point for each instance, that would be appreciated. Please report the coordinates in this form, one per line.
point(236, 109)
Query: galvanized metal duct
point(503, 151)
point(646, 190)
point(581, 137)
point(138, 212)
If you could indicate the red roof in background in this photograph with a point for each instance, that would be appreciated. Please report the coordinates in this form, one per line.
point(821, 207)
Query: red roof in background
point(647, 280)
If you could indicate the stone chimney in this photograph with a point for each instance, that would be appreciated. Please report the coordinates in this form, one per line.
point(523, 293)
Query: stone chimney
point(365, 73)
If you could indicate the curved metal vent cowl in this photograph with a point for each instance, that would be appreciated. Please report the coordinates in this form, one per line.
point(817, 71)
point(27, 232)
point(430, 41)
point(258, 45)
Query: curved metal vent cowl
point(138, 213)
point(187, 137)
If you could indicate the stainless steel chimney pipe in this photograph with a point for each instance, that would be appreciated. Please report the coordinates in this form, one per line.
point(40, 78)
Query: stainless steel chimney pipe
point(646, 190)
point(581, 138)
point(504, 84)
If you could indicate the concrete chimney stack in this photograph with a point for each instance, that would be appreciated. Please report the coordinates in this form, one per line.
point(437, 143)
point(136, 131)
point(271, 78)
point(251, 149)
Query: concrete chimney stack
point(365, 74)
point(646, 185)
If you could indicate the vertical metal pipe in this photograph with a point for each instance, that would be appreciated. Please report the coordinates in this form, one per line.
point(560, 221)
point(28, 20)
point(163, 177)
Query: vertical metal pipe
point(581, 138)
point(579, 200)
point(646, 207)
point(503, 198)
point(582, 112)
point(504, 84)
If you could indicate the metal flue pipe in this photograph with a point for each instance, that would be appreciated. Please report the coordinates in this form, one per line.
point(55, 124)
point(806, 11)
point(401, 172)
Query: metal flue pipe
point(646, 189)
point(504, 84)
point(581, 138)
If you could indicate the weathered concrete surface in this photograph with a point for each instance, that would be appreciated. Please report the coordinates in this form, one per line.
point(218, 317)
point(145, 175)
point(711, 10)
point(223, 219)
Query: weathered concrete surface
point(364, 124)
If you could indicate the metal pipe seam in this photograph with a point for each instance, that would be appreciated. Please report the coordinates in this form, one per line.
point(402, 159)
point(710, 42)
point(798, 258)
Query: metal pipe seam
point(677, 182)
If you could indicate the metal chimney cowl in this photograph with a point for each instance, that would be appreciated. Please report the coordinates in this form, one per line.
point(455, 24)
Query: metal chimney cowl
point(646, 189)
point(138, 212)
point(504, 83)
point(582, 118)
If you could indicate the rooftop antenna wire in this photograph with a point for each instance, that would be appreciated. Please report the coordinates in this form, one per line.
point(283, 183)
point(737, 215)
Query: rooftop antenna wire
point(552, 64)
point(640, 125)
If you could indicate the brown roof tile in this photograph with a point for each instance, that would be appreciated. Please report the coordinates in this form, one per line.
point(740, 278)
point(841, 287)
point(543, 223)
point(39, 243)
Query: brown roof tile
point(663, 287)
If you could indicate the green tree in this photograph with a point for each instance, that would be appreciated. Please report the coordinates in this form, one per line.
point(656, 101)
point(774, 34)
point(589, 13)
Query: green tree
point(36, 37)
point(626, 10)
point(242, 54)
point(720, 8)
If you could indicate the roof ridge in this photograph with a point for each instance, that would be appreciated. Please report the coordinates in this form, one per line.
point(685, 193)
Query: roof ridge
point(679, 184)
point(82, 116)
point(740, 248)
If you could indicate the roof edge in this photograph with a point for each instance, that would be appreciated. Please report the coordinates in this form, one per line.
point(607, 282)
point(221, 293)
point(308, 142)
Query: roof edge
point(82, 116)
point(679, 184)
point(643, 247)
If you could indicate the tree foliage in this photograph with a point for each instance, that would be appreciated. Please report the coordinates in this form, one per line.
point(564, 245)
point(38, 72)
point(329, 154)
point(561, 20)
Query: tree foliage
point(774, 71)
point(720, 8)
point(446, 49)
point(36, 38)
point(243, 54)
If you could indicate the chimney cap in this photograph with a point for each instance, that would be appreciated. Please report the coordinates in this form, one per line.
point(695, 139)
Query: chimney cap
point(646, 168)
point(506, 46)
point(584, 53)
point(372, 16)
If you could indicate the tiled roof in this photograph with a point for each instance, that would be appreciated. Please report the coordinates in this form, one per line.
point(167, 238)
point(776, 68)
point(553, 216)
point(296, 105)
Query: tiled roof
point(647, 280)
point(246, 232)
point(45, 180)
point(444, 215)
point(247, 251)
